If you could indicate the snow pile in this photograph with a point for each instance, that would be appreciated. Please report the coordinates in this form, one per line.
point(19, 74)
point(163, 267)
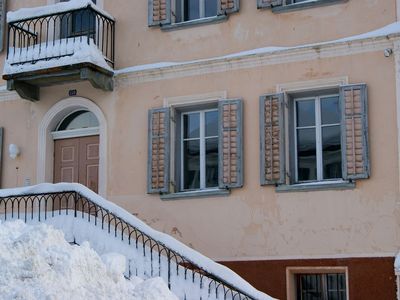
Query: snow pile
point(79, 229)
point(38, 263)
point(74, 50)
point(39, 11)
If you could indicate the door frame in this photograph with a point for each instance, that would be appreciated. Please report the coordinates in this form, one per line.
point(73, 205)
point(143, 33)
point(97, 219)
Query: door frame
point(45, 159)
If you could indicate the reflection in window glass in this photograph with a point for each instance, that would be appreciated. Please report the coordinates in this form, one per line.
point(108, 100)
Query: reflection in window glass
point(191, 160)
point(330, 110)
point(331, 152)
point(188, 10)
point(212, 162)
point(191, 125)
point(305, 113)
point(306, 154)
point(211, 123)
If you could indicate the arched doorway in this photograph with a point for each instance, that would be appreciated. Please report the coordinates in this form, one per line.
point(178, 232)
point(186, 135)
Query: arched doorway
point(48, 128)
point(76, 149)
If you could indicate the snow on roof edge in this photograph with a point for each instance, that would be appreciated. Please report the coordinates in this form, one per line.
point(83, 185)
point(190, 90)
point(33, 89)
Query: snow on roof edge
point(209, 265)
point(386, 31)
point(39, 11)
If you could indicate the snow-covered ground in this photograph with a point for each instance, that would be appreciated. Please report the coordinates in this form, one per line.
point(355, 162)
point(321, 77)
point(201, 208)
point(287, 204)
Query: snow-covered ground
point(38, 263)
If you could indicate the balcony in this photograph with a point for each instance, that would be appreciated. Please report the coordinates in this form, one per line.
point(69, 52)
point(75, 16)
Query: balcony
point(56, 44)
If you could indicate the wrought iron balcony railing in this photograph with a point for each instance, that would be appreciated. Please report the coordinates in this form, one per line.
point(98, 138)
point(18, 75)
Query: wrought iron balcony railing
point(66, 37)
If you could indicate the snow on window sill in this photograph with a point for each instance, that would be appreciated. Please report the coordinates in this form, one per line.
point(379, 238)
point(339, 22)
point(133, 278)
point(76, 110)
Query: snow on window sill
point(196, 22)
point(195, 194)
point(317, 186)
point(304, 5)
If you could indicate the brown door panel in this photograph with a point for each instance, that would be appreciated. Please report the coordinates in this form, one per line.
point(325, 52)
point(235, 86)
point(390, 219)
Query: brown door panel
point(77, 160)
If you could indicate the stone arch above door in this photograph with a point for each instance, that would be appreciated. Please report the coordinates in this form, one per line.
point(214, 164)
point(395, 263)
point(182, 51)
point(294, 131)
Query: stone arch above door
point(46, 145)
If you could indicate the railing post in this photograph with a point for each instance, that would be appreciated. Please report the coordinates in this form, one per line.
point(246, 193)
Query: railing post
point(169, 269)
point(75, 204)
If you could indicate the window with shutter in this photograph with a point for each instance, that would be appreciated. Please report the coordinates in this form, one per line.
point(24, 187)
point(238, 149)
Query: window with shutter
point(328, 137)
point(272, 132)
point(230, 144)
point(290, 5)
point(354, 128)
point(169, 12)
point(158, 151)
point(207, 148)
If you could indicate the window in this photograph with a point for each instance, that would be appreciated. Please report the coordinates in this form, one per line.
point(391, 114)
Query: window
point(330, 286)
point(78, 119)
point(187, 10)
point(324, 142)
point(199, 150)
point(82, 22)
point(195, 149)
point(170, 14)
point(317, 138)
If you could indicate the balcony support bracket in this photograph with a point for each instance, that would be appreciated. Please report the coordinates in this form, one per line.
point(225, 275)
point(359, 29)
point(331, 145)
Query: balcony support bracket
point(24, 90)
point(97, 79)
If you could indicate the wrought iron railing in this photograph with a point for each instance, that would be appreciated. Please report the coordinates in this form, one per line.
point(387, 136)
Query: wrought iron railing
point(60, 35)
point(163, 261)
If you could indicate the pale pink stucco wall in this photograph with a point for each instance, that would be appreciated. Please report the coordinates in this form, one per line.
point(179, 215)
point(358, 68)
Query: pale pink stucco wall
point(253, 221)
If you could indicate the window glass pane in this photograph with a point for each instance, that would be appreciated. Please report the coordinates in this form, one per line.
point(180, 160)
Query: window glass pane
point(211, 119)
point(336, 286)
point(306, 154)
point(330, 110)
point(192, 10)
point(305, 113)
point(311, 287)
point(191, 164)
point(178, 12)
point(191, 125)
point(331, 152)
point(211, 8)
point(212, 162)
point(79, 119)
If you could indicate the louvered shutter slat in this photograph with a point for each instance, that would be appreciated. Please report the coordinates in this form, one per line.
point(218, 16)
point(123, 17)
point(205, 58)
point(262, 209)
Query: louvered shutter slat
point(268, 3)
point(355, 154)
point(272, 154)
point(159, 151)
point(230, 144)
point(228, 6)
point(159, 12)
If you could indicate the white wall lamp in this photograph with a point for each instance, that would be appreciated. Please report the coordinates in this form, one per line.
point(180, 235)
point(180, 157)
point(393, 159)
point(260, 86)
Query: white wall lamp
point(13, 151)
point(387, 52)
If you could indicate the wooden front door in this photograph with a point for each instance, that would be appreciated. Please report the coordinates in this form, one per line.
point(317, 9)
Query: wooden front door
point(77, 160)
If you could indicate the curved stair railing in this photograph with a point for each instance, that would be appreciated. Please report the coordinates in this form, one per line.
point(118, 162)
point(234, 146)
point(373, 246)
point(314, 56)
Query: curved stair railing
point(165, 256)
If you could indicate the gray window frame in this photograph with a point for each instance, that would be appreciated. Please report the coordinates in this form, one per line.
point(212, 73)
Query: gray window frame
point(178, 113)
point(318, 128)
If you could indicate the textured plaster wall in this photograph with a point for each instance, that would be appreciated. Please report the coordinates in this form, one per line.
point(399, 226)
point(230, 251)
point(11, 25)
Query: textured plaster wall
point(253, 221)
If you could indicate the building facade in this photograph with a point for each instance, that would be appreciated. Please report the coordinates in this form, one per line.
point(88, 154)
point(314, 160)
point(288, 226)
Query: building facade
point(264, 134)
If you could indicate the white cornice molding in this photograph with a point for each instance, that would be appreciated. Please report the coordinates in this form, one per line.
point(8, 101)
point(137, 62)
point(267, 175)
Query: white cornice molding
point(6, 95)
point(245, 61)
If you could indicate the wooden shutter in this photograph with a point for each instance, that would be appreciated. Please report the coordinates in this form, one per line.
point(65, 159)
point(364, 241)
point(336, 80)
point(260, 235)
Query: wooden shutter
point(272, 131)
point(1, 152)
point(228, 6)
point(230, 143)
point(268, 3)
point(354, 125)
point(159, 12)
point(158, 151)
point(2, 23)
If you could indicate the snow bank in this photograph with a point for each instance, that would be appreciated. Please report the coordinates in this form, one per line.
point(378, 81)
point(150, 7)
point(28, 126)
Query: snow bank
point(217, 270)
point(39, 11)
point(38, 263)
point(74, 50)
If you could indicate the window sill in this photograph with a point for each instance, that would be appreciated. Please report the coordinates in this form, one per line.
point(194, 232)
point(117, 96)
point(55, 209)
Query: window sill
point(195, 194)
point(316, 186)
point(192, 23)
point(304, 5)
